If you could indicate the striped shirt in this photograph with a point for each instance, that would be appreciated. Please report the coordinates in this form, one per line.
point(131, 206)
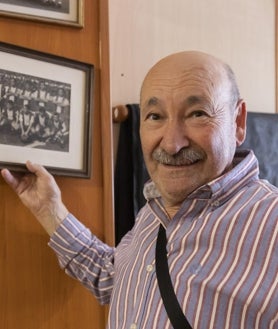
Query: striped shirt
point(222, 252)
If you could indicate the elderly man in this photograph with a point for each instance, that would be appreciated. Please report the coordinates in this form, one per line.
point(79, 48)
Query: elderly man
point(221, 220)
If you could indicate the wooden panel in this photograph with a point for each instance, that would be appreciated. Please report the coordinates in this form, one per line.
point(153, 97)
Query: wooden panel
point(81, 44)
point(35, 293)
point(107, 129)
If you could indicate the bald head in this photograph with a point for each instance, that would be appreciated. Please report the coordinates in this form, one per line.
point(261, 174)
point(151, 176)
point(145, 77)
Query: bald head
point(197, 65)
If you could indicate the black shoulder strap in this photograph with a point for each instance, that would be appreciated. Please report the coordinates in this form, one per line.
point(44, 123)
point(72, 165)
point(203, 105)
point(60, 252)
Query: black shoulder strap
point(167, 292)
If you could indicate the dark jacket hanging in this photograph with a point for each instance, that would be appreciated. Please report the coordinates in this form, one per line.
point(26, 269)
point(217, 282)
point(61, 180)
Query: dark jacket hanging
point(262, 138)
point(130, 174)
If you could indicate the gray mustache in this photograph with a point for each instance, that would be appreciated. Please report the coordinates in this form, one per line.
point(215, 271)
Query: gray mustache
point(183, 157)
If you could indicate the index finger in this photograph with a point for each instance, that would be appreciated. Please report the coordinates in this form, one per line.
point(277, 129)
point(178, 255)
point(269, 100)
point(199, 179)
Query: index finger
point(36, 169)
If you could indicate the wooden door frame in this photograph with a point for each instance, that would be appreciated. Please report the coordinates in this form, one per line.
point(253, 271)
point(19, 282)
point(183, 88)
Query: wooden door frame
point(106, 126)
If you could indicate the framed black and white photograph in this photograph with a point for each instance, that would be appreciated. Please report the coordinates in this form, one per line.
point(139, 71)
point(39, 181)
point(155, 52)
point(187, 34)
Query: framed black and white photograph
point(45, 111)
point(66, 12)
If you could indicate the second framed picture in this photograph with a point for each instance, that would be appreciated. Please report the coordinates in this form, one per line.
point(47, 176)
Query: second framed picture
point(46, 105)
point(65, 12)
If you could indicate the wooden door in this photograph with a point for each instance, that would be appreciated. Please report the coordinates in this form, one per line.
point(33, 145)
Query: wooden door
point(35, 292)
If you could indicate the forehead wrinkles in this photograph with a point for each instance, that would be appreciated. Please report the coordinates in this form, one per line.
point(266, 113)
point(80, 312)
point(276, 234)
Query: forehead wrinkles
point(199, 81)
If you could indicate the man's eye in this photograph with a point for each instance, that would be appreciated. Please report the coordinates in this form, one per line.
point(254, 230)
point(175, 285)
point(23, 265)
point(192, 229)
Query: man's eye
point(198, 114)
point(153, 116)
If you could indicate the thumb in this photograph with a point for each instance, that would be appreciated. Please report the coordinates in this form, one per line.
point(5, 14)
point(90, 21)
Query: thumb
point(9, 178)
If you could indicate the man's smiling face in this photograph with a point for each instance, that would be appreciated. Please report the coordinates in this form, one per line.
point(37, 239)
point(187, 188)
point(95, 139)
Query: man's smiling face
point(188, 124)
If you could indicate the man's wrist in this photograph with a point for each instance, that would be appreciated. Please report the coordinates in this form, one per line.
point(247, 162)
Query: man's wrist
point(53, 220)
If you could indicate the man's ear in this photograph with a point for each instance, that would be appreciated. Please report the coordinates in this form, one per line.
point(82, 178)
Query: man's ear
point(241, 115)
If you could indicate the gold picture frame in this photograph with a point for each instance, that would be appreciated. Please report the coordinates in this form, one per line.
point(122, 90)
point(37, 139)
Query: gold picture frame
point(65, 12)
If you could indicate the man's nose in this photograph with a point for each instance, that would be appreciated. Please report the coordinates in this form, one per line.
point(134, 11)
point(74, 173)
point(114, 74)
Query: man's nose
point(174, 137)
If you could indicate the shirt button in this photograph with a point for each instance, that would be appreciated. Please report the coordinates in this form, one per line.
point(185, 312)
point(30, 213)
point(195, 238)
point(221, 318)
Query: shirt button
point(215, 203)
point(149, 268)
point(133, 326)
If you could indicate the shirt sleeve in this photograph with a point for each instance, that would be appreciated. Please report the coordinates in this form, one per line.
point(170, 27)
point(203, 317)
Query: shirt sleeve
point(84, 257)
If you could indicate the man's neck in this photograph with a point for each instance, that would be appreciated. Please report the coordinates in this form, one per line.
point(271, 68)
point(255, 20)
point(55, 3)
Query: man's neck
point(172, 210)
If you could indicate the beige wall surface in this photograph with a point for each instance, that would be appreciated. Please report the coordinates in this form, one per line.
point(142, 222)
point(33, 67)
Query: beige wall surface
point(241, 32)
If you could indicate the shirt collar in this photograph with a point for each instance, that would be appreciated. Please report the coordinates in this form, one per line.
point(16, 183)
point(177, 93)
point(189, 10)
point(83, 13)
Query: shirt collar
point(245, 169)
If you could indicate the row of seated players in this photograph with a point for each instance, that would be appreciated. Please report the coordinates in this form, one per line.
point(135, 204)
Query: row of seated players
point(34, 125)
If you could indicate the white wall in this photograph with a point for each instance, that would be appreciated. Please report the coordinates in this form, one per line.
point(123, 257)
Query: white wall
point(241, 32)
